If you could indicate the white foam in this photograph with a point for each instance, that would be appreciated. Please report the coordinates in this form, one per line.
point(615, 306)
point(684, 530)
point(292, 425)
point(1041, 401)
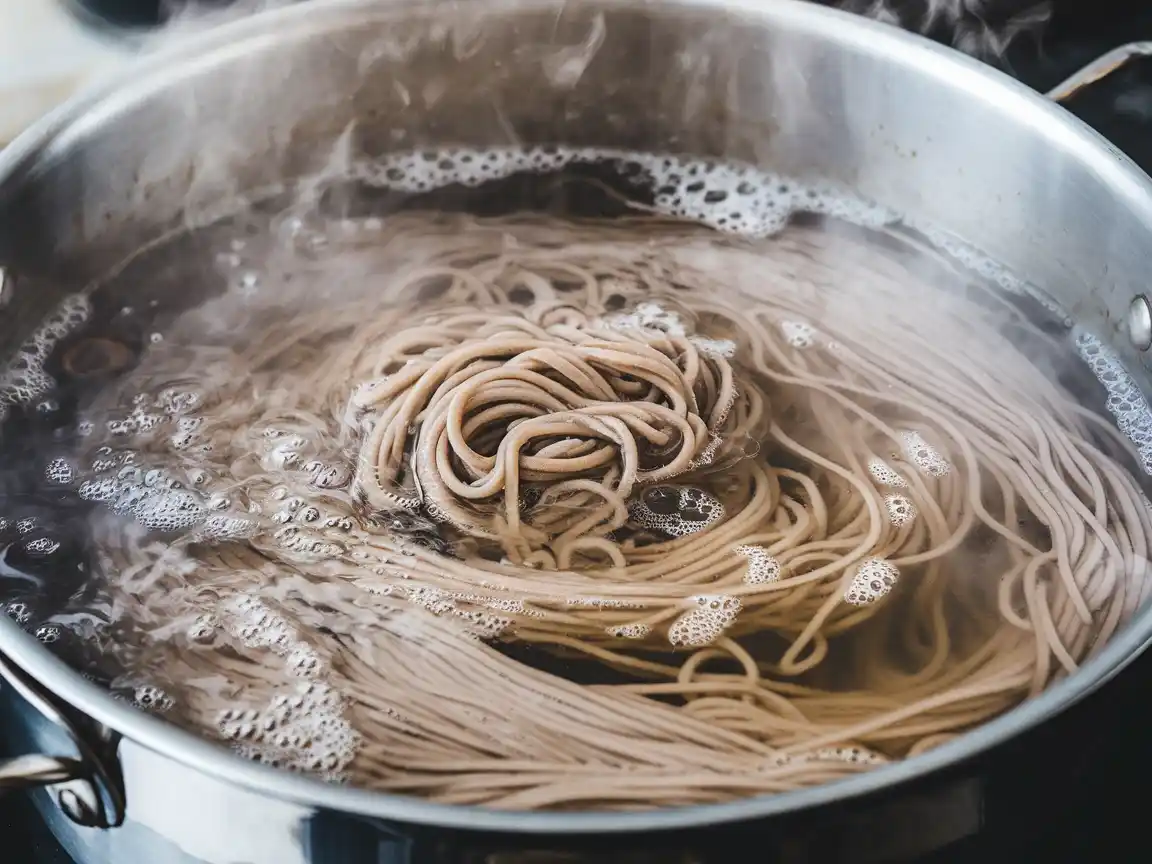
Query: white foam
point(901, 510)
point(23, 378)
point(1125, 402)
point(798, 334)
point(729, 197)
point(848, 754)
point(652, 317)
point(874, 578)
point(923, 455)
point(762, 567)
point(150, 698)
point(664, 508)
point(629, 631)
point(885, 475)
point(479, 623)
point(723, 348)
point(303, 729)
point(706, 621)
point(59, 472)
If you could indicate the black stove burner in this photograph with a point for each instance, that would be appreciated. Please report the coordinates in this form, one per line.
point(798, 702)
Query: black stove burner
point(1099, 752)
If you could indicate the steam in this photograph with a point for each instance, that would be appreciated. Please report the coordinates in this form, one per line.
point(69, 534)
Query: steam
point(186, 17)
point(982, 28)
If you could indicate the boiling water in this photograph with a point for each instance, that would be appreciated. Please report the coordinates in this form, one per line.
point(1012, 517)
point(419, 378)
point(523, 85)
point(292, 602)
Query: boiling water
point(75, 460)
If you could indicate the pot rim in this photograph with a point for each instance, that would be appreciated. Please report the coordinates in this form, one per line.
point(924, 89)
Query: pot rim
point(53, 133)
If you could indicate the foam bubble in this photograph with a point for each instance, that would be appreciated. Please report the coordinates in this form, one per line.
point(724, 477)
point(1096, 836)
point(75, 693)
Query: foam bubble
point(204, 629)
point(60, 472)
point(762, 567)
point(901, 510)
point(706, 621)
point(729, 197)
point(874, 579)
point(23, 379)
point(884, 474)
point(724, 348)
point(708, 455)
point(923, 455)
point(798, 334)
point(303, 729)
point(650, 316)
point(481, 623)
point(629, 631)
point(41, 546)
point(676, 510)
point(148, 697)
point(1126, 403)
point(853, 755)
point(600, 603)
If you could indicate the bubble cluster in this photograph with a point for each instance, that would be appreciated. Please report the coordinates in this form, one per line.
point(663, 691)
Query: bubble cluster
point(303, 730)
point(60, 472)
point(725, 348)
point(853, 755)
point(1125, 401)
point(923, 455)
point(41, 547)
point(629, 631)
point(884, 474)
point(729, 197)
point(874, 579)
point(709, 617)
point(157, 507)
point(163, 500)
point(652, 317)
point(676, 511)
point(798, 334)
point(24, 379)
point(901, 510)
point(480, 623)
point(158, 499)
point(229, 528)
point(708, 454)
point(600, 603)
point(762, 567)
point(204, 628)
point(255, 625)
point(152, 699)
point(19, 611)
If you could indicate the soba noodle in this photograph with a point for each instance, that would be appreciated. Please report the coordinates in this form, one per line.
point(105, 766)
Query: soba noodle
point(560, 514)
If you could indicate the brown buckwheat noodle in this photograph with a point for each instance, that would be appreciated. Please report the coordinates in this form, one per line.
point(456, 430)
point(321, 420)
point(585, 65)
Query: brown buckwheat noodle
point(576, 515)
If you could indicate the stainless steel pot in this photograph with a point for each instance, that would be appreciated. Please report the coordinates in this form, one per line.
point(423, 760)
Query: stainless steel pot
point(791, 87)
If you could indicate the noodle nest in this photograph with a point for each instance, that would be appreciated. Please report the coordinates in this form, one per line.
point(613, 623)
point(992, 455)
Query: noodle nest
point(537, 514)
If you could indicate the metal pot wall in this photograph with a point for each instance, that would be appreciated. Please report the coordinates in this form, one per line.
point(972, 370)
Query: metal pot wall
point(787, 86)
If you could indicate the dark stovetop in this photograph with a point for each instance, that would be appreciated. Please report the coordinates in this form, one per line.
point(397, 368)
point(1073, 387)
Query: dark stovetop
point(1103, 814)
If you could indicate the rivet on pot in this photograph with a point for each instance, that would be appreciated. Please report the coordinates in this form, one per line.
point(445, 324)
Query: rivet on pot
point(1140, 323)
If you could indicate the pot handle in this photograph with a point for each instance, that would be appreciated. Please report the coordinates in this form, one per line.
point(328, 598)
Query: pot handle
point(1099, 69)
point(89, 789)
